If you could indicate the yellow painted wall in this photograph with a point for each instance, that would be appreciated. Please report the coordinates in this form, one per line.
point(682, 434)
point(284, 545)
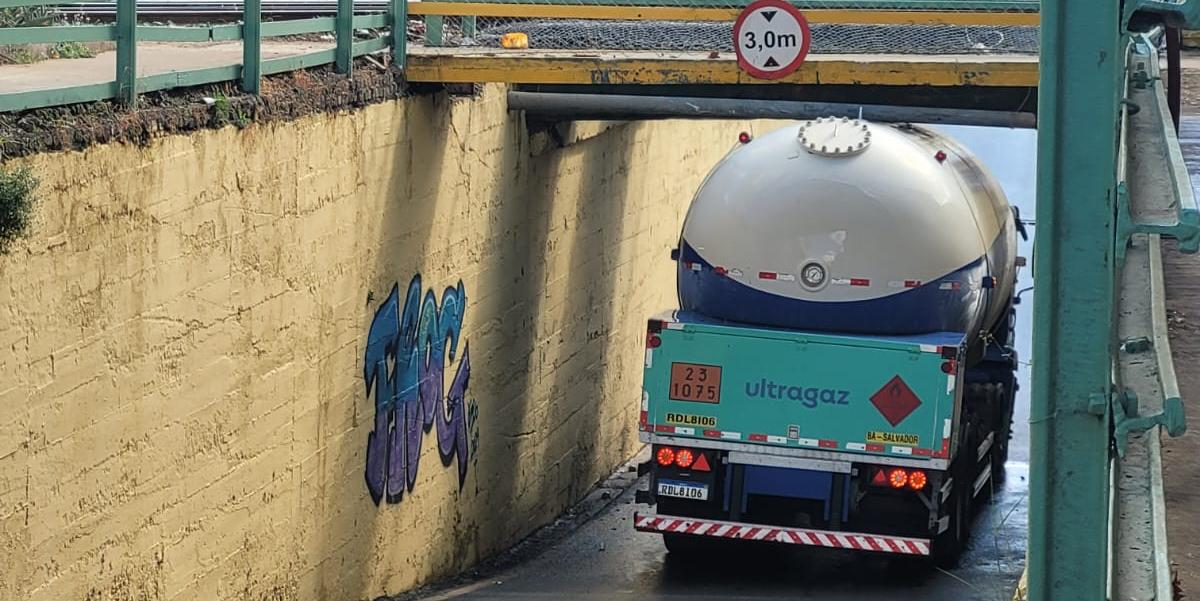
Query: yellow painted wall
point(183, 411)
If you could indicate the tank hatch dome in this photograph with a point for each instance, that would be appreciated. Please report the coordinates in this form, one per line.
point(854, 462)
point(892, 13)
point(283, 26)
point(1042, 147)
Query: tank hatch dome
point(835, 137)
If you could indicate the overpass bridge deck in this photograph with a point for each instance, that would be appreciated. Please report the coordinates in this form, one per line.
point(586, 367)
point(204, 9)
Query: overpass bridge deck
point(605, 67)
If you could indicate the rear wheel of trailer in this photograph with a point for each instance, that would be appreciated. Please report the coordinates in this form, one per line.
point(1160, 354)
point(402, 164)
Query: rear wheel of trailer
point(948, 546)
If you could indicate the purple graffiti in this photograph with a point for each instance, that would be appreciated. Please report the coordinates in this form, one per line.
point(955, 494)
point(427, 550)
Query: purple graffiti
point(405, 361)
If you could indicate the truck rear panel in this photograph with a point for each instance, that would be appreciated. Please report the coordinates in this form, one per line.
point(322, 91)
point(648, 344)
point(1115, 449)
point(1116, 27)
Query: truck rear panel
point(729, 386)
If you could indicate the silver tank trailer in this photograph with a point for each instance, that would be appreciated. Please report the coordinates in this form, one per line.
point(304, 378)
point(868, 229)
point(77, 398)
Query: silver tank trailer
point(847, 226)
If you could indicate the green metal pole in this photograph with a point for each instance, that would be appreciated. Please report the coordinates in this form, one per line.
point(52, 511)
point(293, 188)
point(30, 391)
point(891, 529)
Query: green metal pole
point(399, 15)
point(252, 46)
point(434, 24)
point(127, 52)
point(344, 30)
point(1082, 58)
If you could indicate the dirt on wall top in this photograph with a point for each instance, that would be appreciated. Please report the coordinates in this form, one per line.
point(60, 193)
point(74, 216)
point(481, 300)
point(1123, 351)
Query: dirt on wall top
point(284, 97)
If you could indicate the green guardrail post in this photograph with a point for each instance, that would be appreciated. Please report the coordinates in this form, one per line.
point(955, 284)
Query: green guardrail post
point(468, 27)
point(127, 52)
point(344, 31)
point(252, 46)
point(399, 15)
point(1081, 70)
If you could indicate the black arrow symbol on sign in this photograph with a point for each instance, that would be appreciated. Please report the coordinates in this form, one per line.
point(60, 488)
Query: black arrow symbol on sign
point(770, 62)
point(768, 14)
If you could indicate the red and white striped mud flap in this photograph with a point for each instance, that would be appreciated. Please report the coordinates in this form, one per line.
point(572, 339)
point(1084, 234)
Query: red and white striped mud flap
point(778, 534)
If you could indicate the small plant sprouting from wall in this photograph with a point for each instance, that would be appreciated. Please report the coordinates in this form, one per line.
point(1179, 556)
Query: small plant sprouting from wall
point(221, 109)
point(17, 185)
point(225, 112)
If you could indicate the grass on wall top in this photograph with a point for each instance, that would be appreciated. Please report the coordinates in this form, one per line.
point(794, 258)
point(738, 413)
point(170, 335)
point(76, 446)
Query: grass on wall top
point(17, 185)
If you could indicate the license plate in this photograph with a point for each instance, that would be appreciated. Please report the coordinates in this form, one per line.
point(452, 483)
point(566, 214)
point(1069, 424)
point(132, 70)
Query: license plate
point(683, 490)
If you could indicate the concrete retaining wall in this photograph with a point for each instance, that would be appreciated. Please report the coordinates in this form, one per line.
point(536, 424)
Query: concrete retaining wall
point(201, 341)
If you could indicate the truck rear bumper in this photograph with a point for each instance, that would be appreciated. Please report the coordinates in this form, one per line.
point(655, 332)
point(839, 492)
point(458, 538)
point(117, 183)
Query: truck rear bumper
point(779, 534)
point(782, 450)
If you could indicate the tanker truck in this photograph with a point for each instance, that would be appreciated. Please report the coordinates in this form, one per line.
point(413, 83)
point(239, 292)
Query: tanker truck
point(840, 372)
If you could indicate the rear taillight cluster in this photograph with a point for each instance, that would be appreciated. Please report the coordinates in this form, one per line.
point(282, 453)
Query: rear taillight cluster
point(653, 327)
point(683, 459)
point(898, 477)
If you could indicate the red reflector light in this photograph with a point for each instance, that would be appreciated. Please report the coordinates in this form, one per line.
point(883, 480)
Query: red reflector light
point(899, 478)
point(744, 138)
point(950, 367)
point(880, 479)
point(684, 458)
point(665, 456)
point(653, 341)
point(940, 156)
point(701, 464)
point(916, 480)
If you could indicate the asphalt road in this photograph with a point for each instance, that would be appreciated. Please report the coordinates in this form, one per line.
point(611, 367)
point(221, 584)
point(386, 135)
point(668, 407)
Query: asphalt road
point(606, 559)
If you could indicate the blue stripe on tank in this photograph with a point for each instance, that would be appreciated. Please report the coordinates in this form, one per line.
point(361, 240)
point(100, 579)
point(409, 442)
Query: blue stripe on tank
point(926, 308)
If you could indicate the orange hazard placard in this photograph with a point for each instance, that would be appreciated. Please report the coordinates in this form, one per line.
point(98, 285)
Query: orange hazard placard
point(695, 382)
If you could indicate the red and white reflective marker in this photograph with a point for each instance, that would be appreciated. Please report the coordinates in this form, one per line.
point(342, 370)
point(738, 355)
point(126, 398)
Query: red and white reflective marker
point(771, 39)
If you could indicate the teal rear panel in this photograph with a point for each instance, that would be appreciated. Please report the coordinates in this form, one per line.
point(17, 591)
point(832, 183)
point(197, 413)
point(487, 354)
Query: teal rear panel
point(872, 395)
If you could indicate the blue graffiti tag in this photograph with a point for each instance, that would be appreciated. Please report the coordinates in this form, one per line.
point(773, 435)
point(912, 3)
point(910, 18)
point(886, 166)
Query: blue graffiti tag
point(405, 360)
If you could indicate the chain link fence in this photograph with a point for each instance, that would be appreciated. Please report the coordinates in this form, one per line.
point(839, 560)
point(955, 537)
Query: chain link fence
point(927, 32)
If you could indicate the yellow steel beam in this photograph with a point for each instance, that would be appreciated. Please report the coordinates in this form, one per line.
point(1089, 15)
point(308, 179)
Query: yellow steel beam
point(594, 67)
point(695, 13)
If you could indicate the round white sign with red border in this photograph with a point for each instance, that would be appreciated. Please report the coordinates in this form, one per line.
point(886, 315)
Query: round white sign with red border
point(771, 39)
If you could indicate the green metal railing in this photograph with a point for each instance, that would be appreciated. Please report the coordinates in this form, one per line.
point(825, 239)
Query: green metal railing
point(126, 32)
point(1111, 182)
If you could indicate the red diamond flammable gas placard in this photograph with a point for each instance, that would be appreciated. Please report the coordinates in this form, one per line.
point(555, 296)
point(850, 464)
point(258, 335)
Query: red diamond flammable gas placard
point(895, 401)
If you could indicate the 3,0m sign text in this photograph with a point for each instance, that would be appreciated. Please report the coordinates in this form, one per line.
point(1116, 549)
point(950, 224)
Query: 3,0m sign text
point(771, 39)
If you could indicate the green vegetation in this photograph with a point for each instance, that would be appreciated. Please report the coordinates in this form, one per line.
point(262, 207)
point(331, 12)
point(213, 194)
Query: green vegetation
point(37, 16)
point(17, 185)
point(221, 109)
point(225, 113)
point(26, 16)
point(71, 50)
point(19, 55)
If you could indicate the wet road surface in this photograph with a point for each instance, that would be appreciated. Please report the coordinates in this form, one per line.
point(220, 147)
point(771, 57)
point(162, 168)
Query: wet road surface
point(606, 559)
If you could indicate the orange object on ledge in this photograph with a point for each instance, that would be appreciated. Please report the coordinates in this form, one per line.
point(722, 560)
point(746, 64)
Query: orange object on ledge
point(514, 40)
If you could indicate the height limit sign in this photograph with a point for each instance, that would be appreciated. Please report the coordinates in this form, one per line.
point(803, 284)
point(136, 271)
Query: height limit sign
point(771, 39)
